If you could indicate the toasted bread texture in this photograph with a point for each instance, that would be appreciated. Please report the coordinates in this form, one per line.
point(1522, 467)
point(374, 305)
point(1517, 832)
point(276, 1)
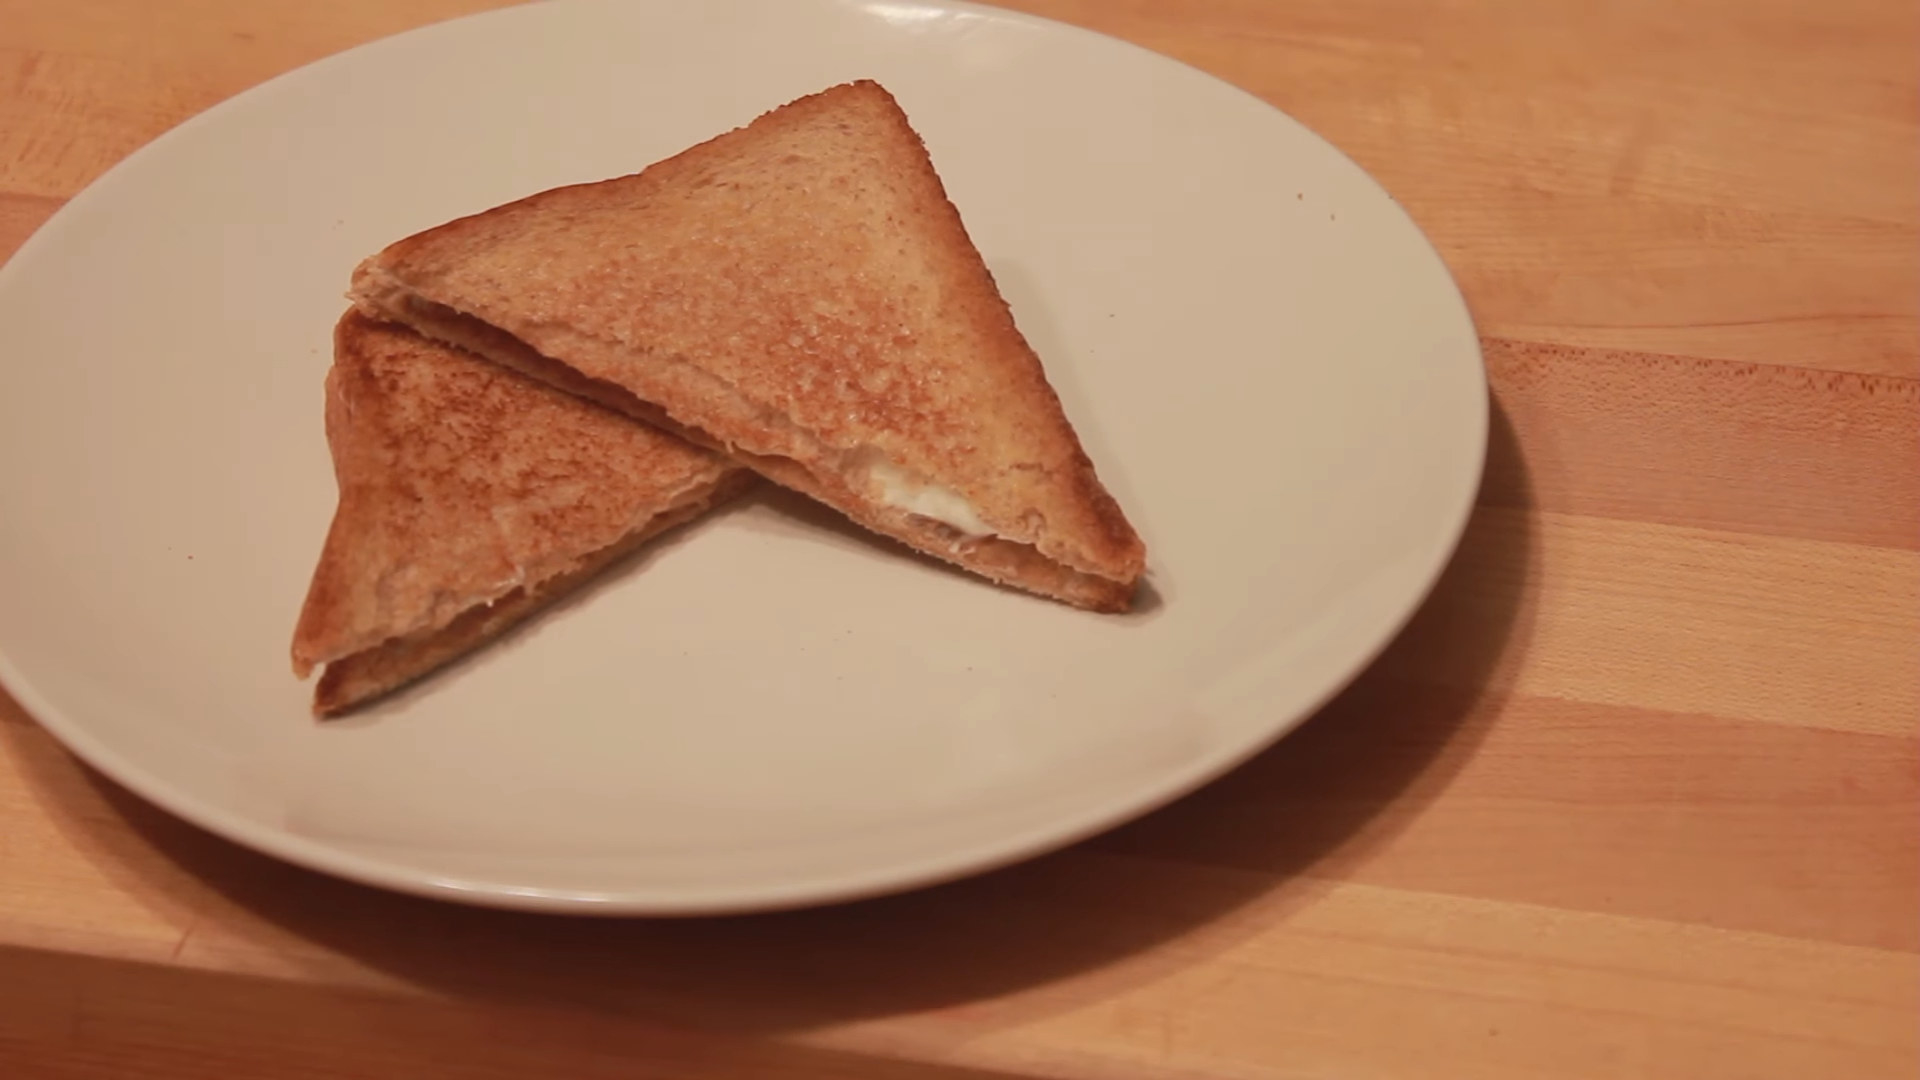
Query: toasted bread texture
point(469, 497)
point(801, 294)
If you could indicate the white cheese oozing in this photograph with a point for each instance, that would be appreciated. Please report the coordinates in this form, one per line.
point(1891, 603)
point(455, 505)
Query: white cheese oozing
point(903, 489)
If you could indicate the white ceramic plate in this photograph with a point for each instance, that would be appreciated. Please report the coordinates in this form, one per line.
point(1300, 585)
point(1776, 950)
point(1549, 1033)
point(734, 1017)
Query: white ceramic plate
point(1271, 368)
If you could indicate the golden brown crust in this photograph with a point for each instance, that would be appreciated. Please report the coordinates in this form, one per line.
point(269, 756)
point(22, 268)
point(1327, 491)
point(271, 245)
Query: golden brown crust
point(800, 289)
point(361, 677)
point(461, 484)
point(1008, 562)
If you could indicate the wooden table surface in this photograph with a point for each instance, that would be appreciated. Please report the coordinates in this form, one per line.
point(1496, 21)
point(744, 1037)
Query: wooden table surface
point(1636, 796)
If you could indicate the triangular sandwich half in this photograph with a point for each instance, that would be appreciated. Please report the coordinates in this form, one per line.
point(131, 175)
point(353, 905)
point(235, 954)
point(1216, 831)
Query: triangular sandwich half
point(801, 294)
point(469, 496)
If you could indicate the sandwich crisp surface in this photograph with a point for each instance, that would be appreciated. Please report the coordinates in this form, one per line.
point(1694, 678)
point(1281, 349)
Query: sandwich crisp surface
point(469, 496)
point(800, 294)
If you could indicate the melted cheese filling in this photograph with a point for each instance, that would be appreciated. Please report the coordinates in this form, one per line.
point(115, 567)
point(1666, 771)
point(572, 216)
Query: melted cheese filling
point(904, 489)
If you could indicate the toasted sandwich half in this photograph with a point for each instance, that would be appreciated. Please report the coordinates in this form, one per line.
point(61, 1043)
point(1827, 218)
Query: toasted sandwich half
point(800, 294)
point(469, 497)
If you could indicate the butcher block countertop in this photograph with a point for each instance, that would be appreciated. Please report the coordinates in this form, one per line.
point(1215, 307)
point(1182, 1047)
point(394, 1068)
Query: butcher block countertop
point(1636, 795)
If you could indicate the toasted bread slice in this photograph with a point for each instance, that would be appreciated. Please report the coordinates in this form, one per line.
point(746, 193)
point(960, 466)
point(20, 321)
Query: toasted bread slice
point(469, 496)
point(801, 294)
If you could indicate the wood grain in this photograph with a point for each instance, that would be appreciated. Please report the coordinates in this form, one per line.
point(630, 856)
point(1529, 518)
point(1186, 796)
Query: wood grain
point(1678, 440)
point(1637, 793)
point(1702, 177)
point(1658, 616)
